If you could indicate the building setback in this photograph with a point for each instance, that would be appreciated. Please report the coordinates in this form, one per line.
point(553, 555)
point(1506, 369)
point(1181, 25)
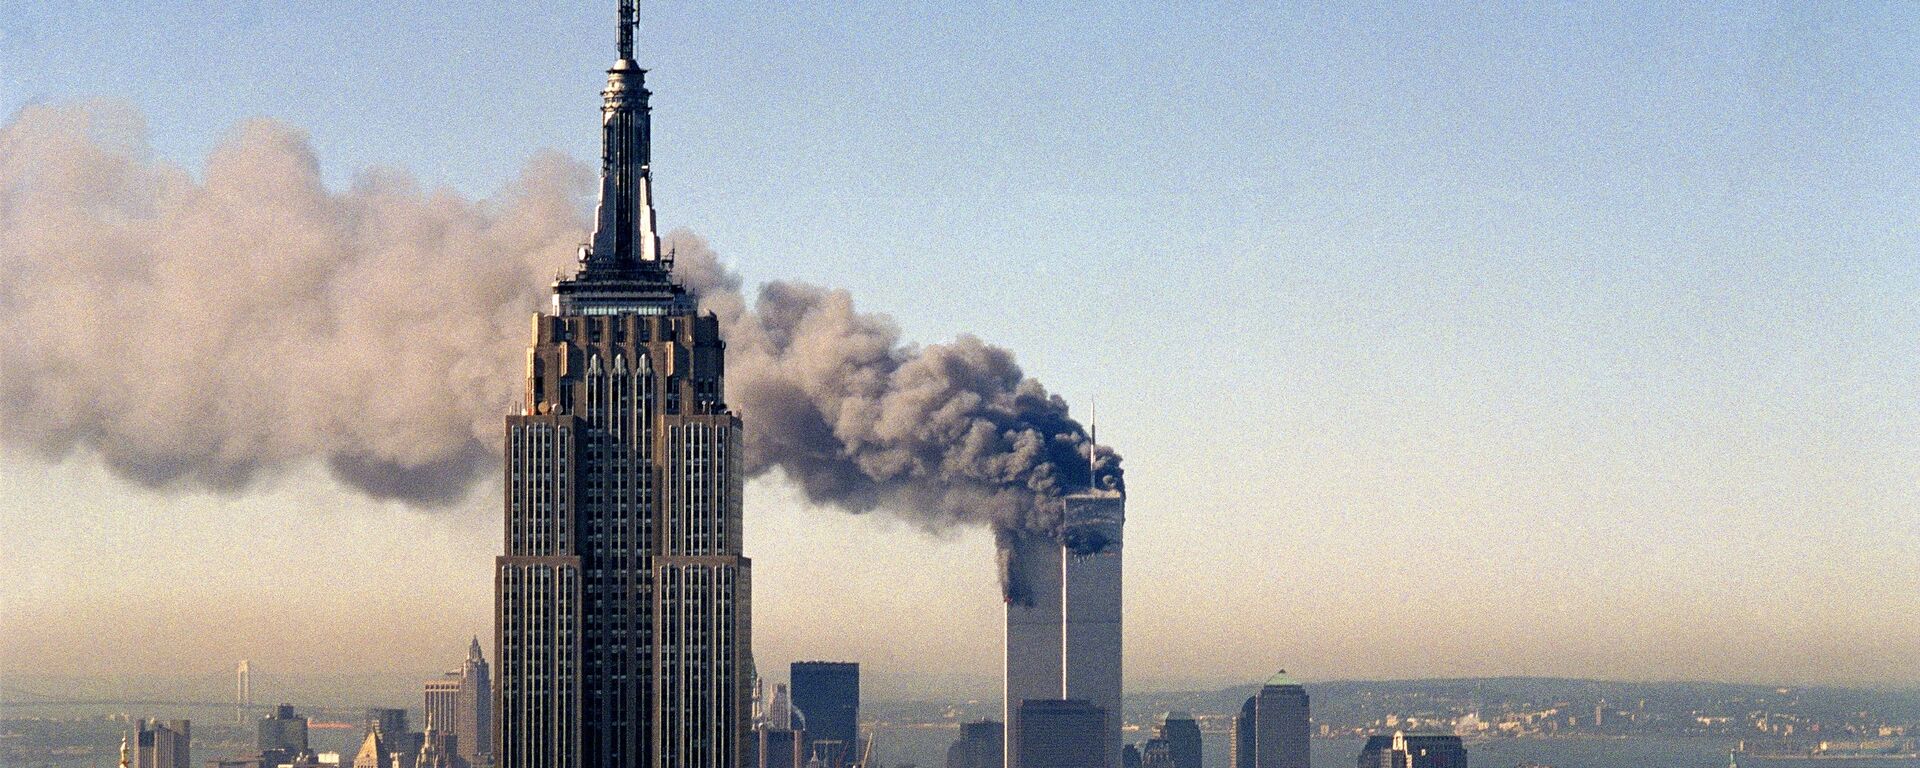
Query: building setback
point(622, 599)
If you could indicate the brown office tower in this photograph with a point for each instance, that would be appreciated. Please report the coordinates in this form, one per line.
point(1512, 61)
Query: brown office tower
point(622, 600)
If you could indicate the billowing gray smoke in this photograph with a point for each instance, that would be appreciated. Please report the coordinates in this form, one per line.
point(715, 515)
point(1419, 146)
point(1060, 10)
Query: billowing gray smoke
point(207, 332)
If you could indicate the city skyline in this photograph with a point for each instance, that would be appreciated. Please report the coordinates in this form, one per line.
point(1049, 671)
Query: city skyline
point(1648, 405)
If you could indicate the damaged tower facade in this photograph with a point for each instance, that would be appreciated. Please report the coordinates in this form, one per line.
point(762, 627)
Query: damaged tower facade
point(1063, 631)
point(622, 599)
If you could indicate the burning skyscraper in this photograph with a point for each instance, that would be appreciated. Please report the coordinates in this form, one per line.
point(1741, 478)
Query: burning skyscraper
point(1064, 619)
point(622, 598)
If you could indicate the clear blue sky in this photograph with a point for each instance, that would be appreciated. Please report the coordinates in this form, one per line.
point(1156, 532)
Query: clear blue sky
point(1586, 339)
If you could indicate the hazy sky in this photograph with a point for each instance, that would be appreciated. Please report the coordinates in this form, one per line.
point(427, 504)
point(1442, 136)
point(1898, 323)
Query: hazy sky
point(1439, 341)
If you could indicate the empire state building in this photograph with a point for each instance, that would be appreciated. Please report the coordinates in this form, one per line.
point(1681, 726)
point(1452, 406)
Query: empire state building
point(622, 599)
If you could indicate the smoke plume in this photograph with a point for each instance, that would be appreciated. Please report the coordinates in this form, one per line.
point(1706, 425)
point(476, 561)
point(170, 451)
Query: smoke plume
point(208, 332)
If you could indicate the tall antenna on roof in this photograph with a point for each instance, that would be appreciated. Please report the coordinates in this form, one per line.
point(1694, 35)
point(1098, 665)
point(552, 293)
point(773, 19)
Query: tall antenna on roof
point(629, 17)
point(1093, 446)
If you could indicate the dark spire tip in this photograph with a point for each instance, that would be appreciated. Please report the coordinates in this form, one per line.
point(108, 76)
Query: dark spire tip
point(629, 17)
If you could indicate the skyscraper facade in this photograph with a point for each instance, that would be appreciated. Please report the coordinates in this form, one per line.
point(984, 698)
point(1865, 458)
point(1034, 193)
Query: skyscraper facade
point(981, 745)
point(442, 698)
point(1240, 749)
point(1034, 629)
point(1182, 736)
point(1063, 632)
point(781, 748)
point(622, 599)
point(1156, 753)
point(1090, 563)
point(396, 735)
point(472, 725)
point(460, 704)
point(164, 745)
point(1281, 724)
point(828, 694)
point(373, 753)
point(1403, 751)
point(282, 734)
point(389, 722)
point(1060, 733)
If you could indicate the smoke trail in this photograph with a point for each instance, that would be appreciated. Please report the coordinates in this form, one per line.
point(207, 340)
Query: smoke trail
point(205, 333)
point(199, 333)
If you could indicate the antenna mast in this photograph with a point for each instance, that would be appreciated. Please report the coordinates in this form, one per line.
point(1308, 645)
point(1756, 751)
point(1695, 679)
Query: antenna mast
point(629, 17)
point(1093, 447)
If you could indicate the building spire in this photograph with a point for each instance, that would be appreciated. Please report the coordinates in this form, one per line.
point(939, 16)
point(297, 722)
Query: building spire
point(626, 242)
point(629, 17)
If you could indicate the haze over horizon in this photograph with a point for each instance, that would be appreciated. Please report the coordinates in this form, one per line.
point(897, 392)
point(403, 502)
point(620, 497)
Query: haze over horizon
point(1440, 342)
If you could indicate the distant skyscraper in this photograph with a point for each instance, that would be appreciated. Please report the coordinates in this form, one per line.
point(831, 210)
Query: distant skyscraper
point(828, 693)
point(472, 724)
point(282, 733)
point(779, 736)
point(779, 714)
point(1091, 533)
point(1182, 736)
point(164, 745)
point(1156, 754)
point(398, 743)
point(442, 698)
point(1129, 756)
point(1240, 749)
point(1060, 734)
point(438, 748)
point(1063, 636)
point(781, 747)
point(1282, 724)
point(981, 745)
point(622, 599)
point(242, 692)
point(389, 722)
point(460, 703)
point(373, 752)
point(1034, 630)
point(1403, 751)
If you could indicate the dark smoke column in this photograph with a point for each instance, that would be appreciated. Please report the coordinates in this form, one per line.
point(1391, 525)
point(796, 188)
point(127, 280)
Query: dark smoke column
point(622, 599)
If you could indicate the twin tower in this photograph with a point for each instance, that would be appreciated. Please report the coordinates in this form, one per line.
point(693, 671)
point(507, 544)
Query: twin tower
point(1064, 646)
